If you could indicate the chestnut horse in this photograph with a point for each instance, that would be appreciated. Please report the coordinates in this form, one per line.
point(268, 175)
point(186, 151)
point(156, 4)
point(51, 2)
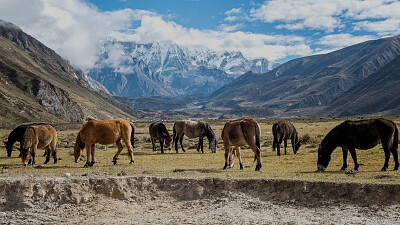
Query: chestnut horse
point(104, 132)
point(239, 133)
point(361, 134)
point(283, 130)
point(159, 132)
point(38, 136)
point(193, 129)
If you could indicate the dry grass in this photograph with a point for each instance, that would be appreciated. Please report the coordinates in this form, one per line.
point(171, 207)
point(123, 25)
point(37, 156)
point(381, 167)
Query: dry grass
point(208, 165)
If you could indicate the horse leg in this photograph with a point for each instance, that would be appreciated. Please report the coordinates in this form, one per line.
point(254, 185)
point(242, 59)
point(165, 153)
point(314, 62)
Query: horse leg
point(129, 146)
point(354, 156)
point(198, 144)
point(154, 145)
point(345, 152)
point(285, 144)
point(201, 144)
point(274, 144)
point(93, 151)
point(180, 141)
point(33, 154)
point(162, 147)
point(387, 156)
point(120, 147)
point(227, 150)
point(293, 145)
point(396, 158)
point(257, 152)
point(88, 151)
point(278, 145)
point(47, 151)
point(176, 138)
point(239, 157)
point(232, 150)
point(54, 151)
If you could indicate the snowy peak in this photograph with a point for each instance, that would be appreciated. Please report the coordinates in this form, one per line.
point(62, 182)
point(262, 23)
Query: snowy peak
point(177, 69)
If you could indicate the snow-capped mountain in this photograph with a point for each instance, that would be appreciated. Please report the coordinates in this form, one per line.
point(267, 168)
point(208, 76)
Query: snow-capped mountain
point(168, 69)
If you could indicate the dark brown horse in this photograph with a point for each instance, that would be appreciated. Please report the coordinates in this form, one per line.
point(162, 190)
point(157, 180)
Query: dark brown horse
point(239, 133)
point(159, 132)
point(194, 129)
point(16, 135)
point(104, 132)
point(38, 136)
point(361, 134)
point(284, 130)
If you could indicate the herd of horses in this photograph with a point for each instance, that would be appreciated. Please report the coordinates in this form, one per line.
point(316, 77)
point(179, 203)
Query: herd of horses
point(349, 135)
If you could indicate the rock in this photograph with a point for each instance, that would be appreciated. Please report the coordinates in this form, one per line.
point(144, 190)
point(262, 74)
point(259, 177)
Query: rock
point(67, 174)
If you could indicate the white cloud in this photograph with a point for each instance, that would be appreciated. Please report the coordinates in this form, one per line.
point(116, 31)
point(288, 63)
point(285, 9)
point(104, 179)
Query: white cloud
point(233, 11)
point(228, 28)
point(381, 16)
point(343, 40)
point(72, 28)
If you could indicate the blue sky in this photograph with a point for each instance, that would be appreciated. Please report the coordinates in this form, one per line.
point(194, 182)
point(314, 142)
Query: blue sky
point(279, 30)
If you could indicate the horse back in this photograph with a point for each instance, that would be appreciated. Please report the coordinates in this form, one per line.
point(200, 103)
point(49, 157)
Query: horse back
point(190, 128)
point(43, 135)
point(283, 129)
point(236, 132)
point(157, 129)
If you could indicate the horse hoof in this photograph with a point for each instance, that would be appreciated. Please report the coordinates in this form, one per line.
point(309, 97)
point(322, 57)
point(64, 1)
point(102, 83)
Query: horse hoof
point(115, 162)
point(226, 165)
point(86, 165)
point(383, 169)
point(241, 166)
point(396, 168)
point(45, 162)
point(131, 162)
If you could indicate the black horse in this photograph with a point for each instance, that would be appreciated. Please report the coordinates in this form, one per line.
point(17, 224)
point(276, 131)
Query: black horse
point(362, 134)
point(282, 131)
point(17, 135)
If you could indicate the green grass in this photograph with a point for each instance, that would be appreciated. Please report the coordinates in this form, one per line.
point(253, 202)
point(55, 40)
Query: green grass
point(208, 165)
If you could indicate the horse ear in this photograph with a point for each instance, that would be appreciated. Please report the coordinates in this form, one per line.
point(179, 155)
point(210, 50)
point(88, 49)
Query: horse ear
point(165, 135)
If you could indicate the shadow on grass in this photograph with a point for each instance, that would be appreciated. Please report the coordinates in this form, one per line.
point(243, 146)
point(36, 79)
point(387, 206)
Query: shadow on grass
point(198, 170)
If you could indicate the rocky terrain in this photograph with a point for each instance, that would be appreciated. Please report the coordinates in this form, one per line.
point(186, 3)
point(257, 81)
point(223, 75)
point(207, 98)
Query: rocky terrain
point(138, 200)
point(36, 84)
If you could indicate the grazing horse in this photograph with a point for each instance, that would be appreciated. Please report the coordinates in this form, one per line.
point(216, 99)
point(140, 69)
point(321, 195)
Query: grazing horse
point(239, 133)
point(104, 132)
point(16, 135)
point(283, 130)
point(193, 129)
point(361, 134)
point(38, 136)
point(158, 131)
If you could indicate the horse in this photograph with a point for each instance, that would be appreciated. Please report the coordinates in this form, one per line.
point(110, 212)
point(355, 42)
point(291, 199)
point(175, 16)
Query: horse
point(158, 131)
point(283, 130)
point(361, 134)
point(16, 135)
point(104, 132)
point(38, 136)
point(193, 129)
point(239, 133)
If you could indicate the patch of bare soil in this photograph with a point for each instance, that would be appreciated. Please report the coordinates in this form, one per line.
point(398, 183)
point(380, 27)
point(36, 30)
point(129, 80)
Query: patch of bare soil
point(151, 200)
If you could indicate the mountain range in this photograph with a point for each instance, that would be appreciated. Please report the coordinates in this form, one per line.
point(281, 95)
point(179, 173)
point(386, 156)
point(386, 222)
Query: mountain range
point(311, 82)
point(36, 84)
point(167, 69)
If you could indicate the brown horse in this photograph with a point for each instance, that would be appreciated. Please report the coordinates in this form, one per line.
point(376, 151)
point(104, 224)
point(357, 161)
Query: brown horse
point(239, 133)
point(284, 130)
point(159, 132)
point(104, 132)
point(38, 136)
point(193, 129)
point(361, 134)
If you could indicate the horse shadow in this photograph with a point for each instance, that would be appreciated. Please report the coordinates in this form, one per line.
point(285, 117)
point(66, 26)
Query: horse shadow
point(197, 170)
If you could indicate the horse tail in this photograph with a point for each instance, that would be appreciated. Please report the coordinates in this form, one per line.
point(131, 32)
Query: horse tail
point(173, 132)
point(132, 135)
point(257, 136)
point(395, 142)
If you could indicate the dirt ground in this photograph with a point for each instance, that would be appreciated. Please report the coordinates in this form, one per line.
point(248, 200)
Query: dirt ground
point(95, 199)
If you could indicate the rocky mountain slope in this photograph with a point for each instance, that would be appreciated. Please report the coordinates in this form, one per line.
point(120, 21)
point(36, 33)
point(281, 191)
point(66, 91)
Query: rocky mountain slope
point(36, 84)
point(308, 82)
point(167, 69)
point(379, 93)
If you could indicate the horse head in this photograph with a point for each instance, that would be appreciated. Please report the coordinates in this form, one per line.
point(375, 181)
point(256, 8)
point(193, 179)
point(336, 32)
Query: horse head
point(25, 155)
point(168, 139)
point(297, 147)
point(78, 150)
point(324, 157)
point(213, 145)
point(8, 148)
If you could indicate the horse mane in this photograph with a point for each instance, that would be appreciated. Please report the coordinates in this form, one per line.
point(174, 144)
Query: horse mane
point(25, 136)
point(79, 142)
point(163, 129)
point(209, 132)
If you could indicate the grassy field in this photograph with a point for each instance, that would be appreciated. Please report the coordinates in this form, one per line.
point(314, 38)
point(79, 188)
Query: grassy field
point(208, 165)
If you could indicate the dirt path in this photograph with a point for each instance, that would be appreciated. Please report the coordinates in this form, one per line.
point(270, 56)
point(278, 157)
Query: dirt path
point(141, 200)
